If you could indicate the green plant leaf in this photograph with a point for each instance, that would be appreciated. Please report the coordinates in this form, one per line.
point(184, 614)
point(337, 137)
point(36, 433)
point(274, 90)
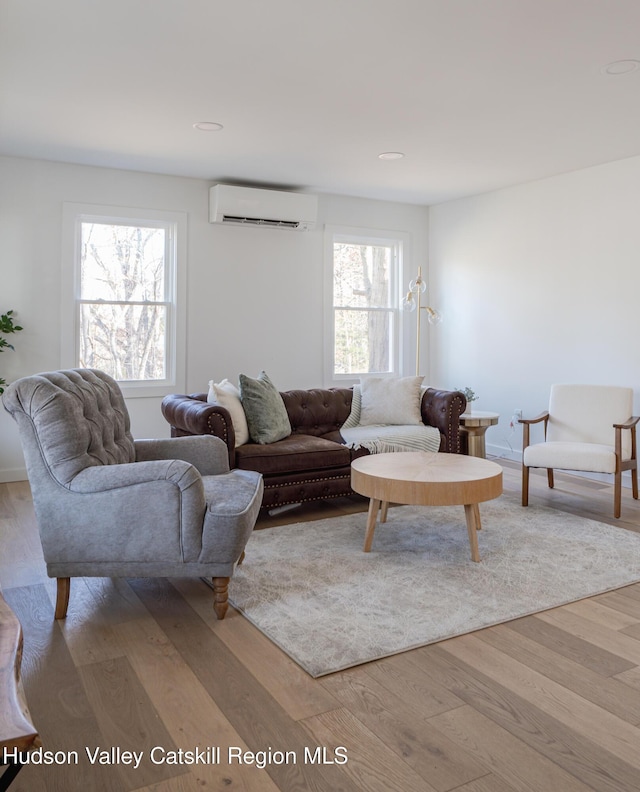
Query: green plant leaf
point(7, 326)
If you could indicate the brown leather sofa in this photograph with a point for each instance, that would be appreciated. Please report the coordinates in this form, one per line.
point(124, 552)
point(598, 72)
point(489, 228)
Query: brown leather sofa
point(312, 463)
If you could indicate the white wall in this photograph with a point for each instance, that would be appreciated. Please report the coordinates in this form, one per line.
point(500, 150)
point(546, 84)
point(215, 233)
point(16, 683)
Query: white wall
point(538, 284)
point(255, 296)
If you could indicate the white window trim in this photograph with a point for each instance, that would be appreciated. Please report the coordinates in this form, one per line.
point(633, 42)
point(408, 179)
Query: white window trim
point(176, 222)
point(333, 233)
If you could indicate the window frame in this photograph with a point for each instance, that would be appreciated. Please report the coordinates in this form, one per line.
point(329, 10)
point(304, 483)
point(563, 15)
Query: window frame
point(399, 241)
point(175, 225)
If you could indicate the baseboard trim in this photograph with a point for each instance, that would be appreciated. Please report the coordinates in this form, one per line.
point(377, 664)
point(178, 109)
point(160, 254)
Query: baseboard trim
point(12, 474)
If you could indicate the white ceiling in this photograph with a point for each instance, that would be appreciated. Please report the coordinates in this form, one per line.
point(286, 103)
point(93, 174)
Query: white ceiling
point(479, 94)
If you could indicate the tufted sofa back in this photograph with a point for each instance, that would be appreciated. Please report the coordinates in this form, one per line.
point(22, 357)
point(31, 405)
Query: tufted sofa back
point(317, 411)
point(77, 419)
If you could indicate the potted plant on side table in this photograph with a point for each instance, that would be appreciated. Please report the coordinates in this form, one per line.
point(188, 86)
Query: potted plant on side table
point(470, 396)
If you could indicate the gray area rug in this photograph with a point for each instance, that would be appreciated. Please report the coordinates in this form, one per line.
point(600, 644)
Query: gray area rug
point(310, 588)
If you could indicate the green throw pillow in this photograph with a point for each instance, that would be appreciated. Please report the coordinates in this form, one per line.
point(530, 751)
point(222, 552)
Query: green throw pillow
point(266, 414)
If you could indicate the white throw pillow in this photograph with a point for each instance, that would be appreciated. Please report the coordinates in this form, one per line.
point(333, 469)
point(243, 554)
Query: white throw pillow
point(227, 395)
point(390, 401)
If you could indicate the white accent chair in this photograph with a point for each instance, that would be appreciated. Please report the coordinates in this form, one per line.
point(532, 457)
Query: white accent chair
point(587, 428)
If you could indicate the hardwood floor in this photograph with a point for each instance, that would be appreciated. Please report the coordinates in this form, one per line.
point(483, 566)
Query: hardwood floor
point(547, 703)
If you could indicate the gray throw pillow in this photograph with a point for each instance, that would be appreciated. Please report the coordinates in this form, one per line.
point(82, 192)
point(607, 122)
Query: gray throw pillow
point(266, 414)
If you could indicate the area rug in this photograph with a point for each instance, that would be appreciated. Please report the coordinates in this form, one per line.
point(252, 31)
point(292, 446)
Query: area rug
point(311, 589)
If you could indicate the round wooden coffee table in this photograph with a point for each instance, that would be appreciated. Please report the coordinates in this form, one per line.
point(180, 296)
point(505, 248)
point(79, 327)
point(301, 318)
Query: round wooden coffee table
point(426, 479)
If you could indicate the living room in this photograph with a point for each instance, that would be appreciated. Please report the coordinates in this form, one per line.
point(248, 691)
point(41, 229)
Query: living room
point(531, 259)
point(516, 273)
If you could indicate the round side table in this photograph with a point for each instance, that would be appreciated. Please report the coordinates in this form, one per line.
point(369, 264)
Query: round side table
point(473, 426)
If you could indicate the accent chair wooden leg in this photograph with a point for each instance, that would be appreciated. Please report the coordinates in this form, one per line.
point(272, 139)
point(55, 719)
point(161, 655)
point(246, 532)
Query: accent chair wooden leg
point(241, 559)
point(525, 485)
point(617, 493)
point(550, 477)
point(634, 482)
point(220, 596)
point(62, 597)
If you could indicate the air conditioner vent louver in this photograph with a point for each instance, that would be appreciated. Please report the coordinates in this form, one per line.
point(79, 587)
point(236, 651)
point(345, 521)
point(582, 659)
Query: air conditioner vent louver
point(260, 222)
point(251, 206)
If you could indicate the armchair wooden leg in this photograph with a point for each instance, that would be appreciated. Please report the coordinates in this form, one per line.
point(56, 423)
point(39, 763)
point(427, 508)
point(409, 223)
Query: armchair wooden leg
point(525, 485)
point(617, 493)
point(550, 477)
point(634, 482)
point(62, 597)
point(220, 596)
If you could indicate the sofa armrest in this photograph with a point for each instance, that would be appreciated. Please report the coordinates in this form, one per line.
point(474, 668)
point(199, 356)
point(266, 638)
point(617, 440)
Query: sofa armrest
point(443, 409)
point(193, 415)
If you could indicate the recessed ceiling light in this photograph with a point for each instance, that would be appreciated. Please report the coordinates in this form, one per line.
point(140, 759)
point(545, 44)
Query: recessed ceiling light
point(391, 155)
point(621, 67)
point(208, 126)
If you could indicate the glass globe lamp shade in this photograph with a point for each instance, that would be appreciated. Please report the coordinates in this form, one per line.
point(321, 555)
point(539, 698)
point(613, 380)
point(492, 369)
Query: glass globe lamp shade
point(434, 317)
point(409, 304)
point(417, 285)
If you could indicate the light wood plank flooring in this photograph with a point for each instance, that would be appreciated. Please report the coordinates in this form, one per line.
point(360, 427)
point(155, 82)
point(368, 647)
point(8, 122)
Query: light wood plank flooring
point(547, 703)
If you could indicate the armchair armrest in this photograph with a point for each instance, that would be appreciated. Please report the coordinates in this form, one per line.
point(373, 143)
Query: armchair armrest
point(629, 423)
point(544, 416)
point(103, 478)
point(528, 422)
point(193, 415)
point(443, 409)
point(132, 506)
point(206, 453)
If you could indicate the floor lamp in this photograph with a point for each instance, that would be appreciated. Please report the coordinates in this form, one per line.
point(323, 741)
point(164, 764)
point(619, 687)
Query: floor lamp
point(417, 287)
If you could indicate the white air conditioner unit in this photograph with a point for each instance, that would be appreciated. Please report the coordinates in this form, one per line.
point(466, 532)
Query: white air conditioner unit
point(265, 208)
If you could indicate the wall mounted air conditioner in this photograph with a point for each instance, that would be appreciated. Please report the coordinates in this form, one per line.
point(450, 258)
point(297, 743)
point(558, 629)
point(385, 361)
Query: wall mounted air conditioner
point(264, 208)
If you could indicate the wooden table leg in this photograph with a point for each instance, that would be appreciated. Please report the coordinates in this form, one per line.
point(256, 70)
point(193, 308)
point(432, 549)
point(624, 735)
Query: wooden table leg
point(472, 513)
point(374, 506)
point(383, 511)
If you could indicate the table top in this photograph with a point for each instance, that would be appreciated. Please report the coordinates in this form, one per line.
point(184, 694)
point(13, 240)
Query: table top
point(422, 477)
point(479, 418)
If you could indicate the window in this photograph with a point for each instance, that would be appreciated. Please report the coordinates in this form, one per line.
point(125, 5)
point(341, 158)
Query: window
point(363, 321)
point(125, 289)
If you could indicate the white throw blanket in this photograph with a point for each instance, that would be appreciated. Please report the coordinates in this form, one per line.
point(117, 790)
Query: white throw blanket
point(384, 439)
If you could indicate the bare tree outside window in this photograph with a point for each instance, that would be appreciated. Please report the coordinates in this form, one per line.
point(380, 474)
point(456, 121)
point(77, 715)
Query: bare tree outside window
point(364, 315)
point(123, 300)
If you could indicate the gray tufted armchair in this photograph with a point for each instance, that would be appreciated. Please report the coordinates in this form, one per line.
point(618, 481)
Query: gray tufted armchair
point(111, 506)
